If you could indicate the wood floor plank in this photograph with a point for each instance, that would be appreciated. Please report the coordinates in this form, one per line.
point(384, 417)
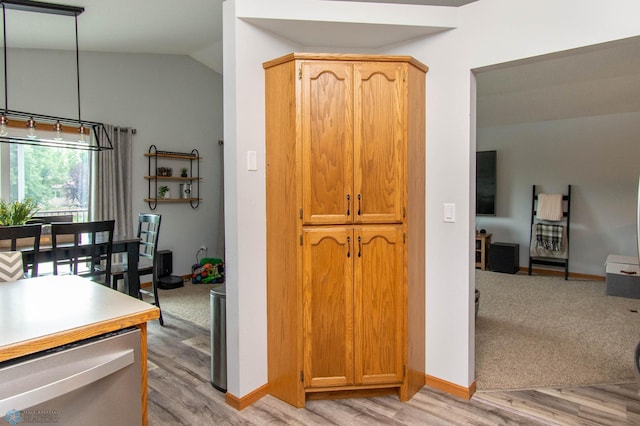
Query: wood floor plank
point(485, 414)
point(180, 392)
point(201, 343)
point(627, 393)
point(450, 410)
point(531, 404)
point(586, 398)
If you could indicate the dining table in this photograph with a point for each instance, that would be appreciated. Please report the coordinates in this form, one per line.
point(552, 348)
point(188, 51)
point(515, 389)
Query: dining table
point(129, 245)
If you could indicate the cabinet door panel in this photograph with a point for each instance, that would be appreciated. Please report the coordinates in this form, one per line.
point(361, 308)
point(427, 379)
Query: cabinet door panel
point(327, 143)
point(379, 142)
point(379, 304)
point(328, 307)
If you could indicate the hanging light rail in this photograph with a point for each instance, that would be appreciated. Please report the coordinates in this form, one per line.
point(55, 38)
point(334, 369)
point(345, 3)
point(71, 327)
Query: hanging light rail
point(45, 130)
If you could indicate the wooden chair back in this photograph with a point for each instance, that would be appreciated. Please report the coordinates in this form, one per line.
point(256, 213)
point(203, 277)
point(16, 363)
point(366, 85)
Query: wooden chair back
point(30, 233)
point(148, 232)
point(90, 252)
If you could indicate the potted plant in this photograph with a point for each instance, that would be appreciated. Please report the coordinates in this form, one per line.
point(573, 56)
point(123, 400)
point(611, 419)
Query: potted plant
point(163, 192)
point(17, 212)
point(183, 172)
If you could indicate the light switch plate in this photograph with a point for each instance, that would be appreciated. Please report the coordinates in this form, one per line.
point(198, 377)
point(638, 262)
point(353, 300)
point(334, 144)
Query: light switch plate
point(252, 161)
point(449, 212)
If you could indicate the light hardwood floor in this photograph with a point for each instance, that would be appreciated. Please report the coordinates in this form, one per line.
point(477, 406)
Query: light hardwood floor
point(180, 392)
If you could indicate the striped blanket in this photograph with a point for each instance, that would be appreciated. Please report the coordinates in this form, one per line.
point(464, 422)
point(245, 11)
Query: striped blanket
point(549, 236)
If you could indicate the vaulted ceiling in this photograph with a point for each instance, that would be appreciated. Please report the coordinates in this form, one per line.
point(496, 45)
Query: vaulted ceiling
point(592, 81)
point(187, 27)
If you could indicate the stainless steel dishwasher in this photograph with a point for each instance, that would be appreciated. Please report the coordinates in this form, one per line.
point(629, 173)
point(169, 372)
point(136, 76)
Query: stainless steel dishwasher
point(96, 381)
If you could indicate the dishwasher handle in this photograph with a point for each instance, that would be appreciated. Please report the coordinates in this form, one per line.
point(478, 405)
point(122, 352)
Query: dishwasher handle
point(100, 367)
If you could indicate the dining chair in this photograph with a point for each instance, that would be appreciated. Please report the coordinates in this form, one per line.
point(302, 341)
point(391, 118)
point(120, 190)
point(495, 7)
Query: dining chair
point(46, 268)
point(30, 233)
point(148, 232)
point(89, 254)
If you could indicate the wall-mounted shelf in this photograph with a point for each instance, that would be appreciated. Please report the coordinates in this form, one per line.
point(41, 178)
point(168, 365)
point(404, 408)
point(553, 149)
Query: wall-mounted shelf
point(153, 177)
point(171, 200)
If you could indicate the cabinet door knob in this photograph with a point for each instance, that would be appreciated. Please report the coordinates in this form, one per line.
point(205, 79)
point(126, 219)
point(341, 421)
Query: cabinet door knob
point(348, 246)
point(348, 205)
point(359, 204)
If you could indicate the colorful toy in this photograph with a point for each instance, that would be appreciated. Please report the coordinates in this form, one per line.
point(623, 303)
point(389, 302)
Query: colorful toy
point(209, 270)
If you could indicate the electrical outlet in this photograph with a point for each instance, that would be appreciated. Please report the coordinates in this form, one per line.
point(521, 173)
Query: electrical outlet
point(203, 247)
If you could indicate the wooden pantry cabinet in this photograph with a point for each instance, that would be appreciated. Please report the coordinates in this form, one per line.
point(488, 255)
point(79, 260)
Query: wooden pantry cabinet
point(345, 158)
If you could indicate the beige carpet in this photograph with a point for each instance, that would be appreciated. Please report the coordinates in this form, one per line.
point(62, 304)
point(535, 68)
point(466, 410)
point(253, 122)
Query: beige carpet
point(190, 302)
point(545, 332)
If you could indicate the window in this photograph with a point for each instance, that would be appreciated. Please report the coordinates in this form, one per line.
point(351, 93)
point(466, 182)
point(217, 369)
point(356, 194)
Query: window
point(58, 179)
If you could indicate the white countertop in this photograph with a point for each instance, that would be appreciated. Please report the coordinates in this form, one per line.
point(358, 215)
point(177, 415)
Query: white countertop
point(53, 310)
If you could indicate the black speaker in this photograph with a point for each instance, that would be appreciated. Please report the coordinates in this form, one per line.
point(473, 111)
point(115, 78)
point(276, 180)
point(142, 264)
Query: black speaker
point(164, 263)
point(504, 257)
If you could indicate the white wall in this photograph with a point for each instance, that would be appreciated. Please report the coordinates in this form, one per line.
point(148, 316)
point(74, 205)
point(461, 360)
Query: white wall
point(489, 32)
point(173, 101)
point(245, 198)
point(597, 155)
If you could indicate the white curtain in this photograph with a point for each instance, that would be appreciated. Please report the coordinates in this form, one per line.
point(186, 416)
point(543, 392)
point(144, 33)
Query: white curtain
point(111, 187)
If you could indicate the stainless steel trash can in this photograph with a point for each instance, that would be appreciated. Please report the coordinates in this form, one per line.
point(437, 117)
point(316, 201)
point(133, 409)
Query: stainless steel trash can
point(218, 337)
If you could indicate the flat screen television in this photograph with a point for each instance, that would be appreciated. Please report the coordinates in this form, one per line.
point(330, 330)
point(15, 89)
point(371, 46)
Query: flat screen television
point(486, 183)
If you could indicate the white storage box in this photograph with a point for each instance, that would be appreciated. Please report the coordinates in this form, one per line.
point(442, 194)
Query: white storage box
point(623, 276)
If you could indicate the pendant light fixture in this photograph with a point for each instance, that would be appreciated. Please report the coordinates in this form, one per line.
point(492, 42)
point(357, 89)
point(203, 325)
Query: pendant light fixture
point(45, 130)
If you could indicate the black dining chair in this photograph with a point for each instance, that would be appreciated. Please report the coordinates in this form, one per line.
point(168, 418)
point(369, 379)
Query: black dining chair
point(30, 241)
point(89, 252)
point(46, 268)
point(148, 232)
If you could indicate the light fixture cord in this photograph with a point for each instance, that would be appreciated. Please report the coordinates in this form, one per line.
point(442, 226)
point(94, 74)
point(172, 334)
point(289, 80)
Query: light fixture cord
point(4, 41)
point(77, 68)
